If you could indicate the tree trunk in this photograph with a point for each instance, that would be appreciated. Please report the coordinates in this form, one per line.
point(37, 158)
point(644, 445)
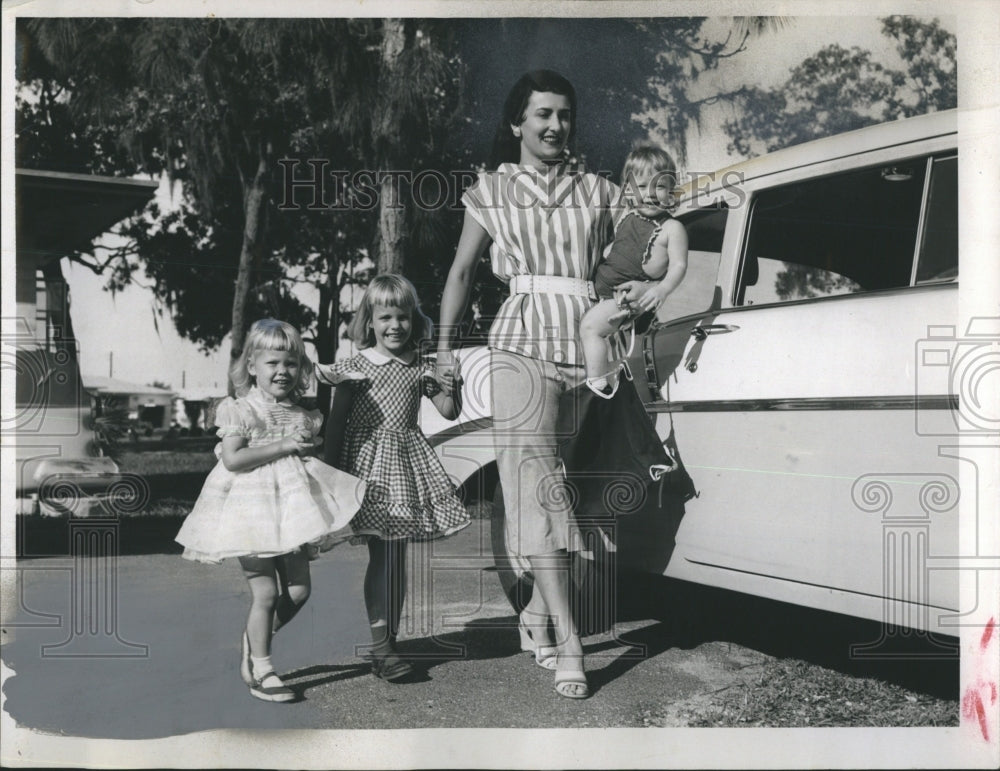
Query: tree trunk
point(327, 329)
point(57, 304)
point(392, 228)
point(392, 212)
point(254, 197)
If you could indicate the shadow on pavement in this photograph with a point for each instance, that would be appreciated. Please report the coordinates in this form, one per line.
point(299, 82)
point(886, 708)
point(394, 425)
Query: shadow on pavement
point(691, 615)
point(322, 674)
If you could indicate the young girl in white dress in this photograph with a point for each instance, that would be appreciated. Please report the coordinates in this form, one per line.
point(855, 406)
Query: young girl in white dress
point(267, 502)
point(409, 495)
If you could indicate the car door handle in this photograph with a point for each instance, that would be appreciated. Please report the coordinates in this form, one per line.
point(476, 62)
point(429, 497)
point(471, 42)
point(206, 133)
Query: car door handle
point(700, 333)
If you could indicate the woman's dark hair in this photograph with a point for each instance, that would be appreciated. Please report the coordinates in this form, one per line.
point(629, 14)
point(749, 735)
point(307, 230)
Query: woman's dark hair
point(506, 146)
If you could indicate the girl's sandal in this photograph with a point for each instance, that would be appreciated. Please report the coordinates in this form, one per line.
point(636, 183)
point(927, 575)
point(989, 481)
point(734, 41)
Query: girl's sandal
point(275, 690)
point(390, 667)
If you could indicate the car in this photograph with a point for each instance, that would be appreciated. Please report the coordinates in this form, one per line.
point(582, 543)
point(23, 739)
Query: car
point(801, 377)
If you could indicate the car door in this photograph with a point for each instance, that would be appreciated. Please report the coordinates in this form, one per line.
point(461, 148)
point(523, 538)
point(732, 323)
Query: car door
point(796, 407)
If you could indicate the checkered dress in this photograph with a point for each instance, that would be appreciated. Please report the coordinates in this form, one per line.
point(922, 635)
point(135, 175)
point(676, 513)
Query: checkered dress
point(409, 494)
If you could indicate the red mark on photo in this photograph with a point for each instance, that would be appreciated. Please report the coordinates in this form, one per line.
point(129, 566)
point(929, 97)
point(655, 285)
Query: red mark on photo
point(987, 634)
point(973, 706)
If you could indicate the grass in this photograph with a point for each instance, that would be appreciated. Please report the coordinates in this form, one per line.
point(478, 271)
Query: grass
point(158, 462)
point(787, 693)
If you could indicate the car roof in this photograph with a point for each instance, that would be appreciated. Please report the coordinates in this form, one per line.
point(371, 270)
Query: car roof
point(882, 135)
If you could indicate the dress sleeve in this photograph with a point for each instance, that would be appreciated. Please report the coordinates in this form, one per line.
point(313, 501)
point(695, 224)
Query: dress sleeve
point(333, 374)
point(480, 200)
point(232, 418)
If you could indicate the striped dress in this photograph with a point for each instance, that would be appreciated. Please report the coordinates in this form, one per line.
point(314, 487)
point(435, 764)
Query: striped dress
point(552, 222)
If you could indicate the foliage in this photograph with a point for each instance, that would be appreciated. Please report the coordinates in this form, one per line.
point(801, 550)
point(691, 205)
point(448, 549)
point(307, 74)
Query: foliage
point(839, 89)
point(111, 426)
point(215, 103)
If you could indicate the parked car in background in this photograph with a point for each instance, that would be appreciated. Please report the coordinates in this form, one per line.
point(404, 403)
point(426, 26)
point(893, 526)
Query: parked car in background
point(801, 375)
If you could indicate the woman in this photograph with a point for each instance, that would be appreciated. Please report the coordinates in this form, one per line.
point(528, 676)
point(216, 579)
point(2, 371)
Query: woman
point(547, 224)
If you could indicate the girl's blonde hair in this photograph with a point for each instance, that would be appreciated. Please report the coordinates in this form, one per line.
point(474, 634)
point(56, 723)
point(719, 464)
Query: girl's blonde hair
point(271, 335)
point(646, 157)
point(392, 290)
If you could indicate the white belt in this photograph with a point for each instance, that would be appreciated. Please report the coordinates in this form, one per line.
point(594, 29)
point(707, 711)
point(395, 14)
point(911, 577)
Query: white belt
point(528, 284)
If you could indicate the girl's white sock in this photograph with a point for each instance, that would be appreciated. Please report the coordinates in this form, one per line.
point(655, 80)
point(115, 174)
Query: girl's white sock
point(261, 666)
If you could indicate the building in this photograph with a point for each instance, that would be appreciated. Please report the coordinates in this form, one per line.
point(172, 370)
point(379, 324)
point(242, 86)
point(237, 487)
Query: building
point(57, 214)
point(149, 407)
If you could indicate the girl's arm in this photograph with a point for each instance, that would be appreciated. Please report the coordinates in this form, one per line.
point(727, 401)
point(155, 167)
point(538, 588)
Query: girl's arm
point(455, 298)
point(670, 249)
point(236, 456)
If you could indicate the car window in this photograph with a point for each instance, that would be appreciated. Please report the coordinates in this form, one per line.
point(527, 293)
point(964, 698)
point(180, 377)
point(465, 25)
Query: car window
point(699, 290)
point(938, 260)
point(845, 233)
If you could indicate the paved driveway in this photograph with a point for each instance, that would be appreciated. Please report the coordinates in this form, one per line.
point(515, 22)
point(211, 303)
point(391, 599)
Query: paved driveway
point(165, 663)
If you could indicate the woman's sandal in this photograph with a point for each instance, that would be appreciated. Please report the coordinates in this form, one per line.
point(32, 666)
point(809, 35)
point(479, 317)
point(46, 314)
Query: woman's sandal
point(567, 679)
point(389, 666)
point(544, 655)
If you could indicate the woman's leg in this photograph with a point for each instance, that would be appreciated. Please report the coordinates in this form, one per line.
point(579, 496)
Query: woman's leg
point(551, 573)
point(295, 585)
point(526, 401)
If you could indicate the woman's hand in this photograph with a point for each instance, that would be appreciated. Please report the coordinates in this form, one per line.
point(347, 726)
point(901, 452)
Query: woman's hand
point(447, 371)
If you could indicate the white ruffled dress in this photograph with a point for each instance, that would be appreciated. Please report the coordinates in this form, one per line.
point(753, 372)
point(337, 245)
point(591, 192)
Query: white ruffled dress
point(277, 507)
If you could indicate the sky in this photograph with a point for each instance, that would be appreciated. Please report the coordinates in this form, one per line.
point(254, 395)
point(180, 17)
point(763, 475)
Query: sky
point(134, 349)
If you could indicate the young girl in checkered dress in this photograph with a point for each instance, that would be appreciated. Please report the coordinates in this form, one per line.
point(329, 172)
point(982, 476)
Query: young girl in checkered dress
point(409, 495)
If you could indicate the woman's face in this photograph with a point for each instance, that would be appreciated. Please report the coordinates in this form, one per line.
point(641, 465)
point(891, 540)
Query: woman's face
point(545, 129)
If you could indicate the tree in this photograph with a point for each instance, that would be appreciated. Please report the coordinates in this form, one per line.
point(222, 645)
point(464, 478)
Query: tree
point(216, 104)
point(839, 89)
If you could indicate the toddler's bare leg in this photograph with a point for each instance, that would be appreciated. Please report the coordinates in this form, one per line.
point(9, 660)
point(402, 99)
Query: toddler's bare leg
point(595, 328)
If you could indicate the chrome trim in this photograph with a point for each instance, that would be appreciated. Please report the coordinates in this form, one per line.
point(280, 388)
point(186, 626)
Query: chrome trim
point(906, 402)
point(806, 164)
point(649, 359)
point(818, 586)
point(453, 432)
point(918, 243)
